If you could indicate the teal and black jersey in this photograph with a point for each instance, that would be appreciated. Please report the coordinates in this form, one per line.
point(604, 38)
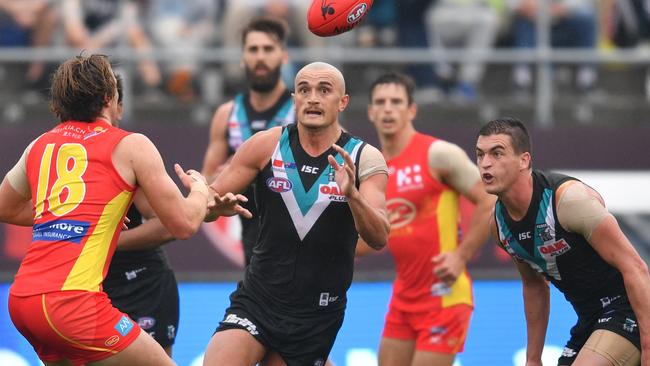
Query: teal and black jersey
point(244, 122)
point(303, 260)
point(126, 266)
point(566, 259)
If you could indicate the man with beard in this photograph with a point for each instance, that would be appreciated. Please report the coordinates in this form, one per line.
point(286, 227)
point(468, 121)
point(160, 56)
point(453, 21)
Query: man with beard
point(267, 103)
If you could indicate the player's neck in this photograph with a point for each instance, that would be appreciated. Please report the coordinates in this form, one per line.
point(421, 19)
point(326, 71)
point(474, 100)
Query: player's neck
point(103, 117)
point(263, 101)
point(518, 198)
point(394, 144)
point(317, 141)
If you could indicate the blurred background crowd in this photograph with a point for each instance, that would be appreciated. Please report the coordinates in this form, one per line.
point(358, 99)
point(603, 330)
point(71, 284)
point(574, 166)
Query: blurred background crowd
point(482, 57)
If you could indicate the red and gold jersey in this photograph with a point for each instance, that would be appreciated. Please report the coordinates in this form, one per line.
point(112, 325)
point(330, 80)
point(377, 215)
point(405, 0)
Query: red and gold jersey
point(424, 215)
point(79, 202)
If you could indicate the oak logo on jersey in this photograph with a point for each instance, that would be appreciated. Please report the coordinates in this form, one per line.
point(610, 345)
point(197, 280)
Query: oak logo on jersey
point(332, 192)
point(279, 184)
point(409, 178)
point(555, 249)
point(71, 231)
point(401, 212)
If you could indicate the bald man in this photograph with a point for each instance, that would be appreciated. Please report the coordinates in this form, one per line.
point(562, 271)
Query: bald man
point(317, 190)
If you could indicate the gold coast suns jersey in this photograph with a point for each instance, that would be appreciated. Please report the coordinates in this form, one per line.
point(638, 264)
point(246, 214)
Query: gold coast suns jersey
point(79, 202)
point(424, 215)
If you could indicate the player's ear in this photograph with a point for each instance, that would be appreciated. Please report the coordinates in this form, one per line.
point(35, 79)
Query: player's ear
point(343, 102)
point(524, 160)
point(413, 111)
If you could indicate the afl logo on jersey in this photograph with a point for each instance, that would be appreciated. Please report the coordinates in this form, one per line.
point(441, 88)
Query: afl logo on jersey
point(400, 212)
point(279, 184)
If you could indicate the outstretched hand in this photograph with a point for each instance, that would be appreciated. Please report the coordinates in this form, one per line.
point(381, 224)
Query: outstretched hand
point(227, 205)
point(345, 174)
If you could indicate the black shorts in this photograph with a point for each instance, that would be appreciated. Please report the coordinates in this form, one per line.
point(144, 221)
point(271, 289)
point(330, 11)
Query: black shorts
point(618, 317)
point(299, 340)
point(151, 301)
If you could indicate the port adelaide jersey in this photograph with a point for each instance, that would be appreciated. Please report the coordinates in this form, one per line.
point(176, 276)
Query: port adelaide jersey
point(304, 256)
point(566, 259)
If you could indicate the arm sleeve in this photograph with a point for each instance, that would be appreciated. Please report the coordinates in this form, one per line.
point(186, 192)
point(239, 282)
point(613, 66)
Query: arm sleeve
point(17, 176)
point(580, 210)
point(371, 162)
point(460, 173)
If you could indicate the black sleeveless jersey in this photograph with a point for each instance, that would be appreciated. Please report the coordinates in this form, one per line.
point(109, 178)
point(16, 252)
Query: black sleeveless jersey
point(303, 260)
point(129, 265)
point(566, 259)
point(244, 122)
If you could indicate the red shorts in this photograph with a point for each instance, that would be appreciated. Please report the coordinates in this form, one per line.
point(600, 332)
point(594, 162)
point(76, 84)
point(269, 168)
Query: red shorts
point(79, 326)
point(440, 330)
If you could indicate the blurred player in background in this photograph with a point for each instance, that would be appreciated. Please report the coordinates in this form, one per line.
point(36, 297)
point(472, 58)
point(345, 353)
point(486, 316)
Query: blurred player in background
point(267, 103)
point(74, 184)
point(317, 190)
point(140, 281)
point(431, 305)
point(557, 229)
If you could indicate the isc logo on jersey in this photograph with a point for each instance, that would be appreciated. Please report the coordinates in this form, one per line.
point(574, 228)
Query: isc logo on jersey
point(332, 192)
point(554, 249)
point(279, 184)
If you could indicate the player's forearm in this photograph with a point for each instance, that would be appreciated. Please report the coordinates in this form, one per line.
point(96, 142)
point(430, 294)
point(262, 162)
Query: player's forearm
point(363, 248)
point(536, 307)
point(637, 285)
point(22, 216)
point(194, 209)
point(371, 223)
point(479, 230)
point(149, 235)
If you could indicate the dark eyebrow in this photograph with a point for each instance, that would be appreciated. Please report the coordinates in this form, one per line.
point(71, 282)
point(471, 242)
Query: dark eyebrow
point(492, 148)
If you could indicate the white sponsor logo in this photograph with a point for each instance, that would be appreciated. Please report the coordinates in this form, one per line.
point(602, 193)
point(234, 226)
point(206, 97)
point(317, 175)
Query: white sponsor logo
point(568, 352)
point(131, 275)
point(440, 289)
point(259, 124)
point(309, 169)
point(324, 299)
point(409, 178)
point(524, 236)
point(244, 322)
